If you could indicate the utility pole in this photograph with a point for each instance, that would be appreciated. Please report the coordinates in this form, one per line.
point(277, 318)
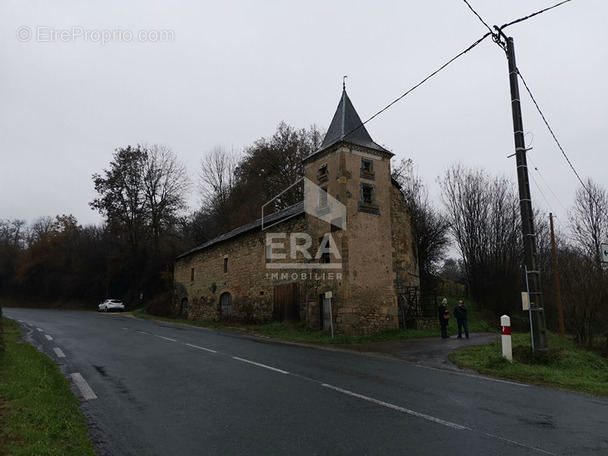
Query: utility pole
point(538, 323)
point(558, 291)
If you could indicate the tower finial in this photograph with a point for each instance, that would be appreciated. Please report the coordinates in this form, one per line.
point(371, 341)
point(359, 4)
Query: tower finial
point(344, 82)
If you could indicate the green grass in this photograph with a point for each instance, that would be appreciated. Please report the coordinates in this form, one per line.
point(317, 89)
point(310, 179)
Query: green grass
point(39, 414)
point(564, 366)
point(474, 323)
point(298, 332)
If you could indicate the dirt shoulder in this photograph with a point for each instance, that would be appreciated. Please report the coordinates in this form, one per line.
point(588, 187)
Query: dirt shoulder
point(431, 352)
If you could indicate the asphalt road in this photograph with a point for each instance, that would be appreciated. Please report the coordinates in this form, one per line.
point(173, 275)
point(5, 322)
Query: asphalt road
point(150, 388)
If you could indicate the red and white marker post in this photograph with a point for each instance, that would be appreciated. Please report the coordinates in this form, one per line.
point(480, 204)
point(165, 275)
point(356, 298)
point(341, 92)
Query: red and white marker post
point(505, 331)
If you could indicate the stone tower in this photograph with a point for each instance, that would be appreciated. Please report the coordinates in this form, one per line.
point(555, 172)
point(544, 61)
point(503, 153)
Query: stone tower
point(356, 171)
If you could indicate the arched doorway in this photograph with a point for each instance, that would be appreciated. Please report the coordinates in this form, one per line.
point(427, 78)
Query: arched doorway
point(225, 306)
point(183, 308)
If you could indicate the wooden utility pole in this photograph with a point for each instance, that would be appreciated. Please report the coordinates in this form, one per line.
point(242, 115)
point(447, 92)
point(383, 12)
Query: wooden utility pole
point(538, 324)
point(558, 291)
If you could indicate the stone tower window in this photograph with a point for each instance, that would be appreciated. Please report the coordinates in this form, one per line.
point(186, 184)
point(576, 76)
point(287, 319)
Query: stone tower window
point(322, 197)
point(323, 175)
point(367, 169)
point(368, 199)
point(226, 264)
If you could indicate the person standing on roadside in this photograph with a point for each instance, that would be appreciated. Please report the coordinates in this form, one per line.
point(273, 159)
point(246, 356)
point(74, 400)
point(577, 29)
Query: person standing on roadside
point(444, 317)
point(460, 312)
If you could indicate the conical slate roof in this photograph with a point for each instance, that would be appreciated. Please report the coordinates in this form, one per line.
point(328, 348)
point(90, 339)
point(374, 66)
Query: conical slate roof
point(346, 126)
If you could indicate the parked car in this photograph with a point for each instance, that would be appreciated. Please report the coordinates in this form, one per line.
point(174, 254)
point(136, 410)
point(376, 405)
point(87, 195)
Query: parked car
point(110, 305)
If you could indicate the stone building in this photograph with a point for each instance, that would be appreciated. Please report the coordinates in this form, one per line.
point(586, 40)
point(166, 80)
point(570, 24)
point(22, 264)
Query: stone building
point(342, 258)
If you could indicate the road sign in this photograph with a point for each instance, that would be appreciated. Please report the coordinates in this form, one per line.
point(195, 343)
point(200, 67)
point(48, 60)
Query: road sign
point(604, 253)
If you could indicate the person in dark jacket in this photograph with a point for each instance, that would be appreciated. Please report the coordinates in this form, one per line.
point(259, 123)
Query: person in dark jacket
point(444, 317)
point(460, 312)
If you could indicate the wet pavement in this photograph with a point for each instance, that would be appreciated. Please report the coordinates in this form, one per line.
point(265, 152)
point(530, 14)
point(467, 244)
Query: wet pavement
point(429, 351)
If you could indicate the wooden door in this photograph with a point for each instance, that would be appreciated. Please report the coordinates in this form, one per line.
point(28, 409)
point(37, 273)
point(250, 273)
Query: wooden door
point(286, 305)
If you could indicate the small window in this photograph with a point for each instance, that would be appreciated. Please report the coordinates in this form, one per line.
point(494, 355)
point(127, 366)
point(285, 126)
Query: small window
point(368, 199)
point(192, 275)
point(325, 255)
point(322, 197)
point(323, 175)
point(226, 264)
point(367, 169)
point(367, 194)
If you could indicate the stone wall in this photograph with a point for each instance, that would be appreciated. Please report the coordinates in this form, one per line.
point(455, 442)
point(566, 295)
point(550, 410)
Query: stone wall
point(200, 277)
point(405, 252)
point(375, 248)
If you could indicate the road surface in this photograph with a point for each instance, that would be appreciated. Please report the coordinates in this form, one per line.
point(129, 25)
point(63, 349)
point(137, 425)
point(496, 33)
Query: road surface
point(157, 389)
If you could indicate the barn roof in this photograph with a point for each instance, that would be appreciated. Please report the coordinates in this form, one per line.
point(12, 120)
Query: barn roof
point(272, 219)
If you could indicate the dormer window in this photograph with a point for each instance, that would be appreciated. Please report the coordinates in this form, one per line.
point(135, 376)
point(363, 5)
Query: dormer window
point(367, 169)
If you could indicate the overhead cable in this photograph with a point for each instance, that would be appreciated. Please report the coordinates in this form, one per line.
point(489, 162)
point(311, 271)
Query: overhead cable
point(423, 81)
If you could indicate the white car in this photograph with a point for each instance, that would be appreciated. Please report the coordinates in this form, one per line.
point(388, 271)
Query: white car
point(111, 305)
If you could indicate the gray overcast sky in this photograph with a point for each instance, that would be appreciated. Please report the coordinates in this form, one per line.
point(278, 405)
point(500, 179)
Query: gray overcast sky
point(232, 70)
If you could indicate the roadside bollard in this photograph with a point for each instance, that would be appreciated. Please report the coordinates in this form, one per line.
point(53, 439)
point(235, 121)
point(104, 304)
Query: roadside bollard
point(505, 331)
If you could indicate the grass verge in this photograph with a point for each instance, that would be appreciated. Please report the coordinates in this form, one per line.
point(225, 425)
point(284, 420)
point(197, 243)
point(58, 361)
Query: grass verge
point(298, 332)
point(39, 414)
point(564, 366)
point(293, 331)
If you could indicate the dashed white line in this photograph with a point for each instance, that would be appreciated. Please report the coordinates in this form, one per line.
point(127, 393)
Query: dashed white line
point(83, 386)
point(40, 329)
point(166, 338)
point(398, 408)
point(261, 365)
point(48, 337)
point(201, 348)
point(59, 352)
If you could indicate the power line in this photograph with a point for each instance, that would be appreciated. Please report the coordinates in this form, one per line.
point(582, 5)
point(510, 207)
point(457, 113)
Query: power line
point(479, 17)
point(533, 14)
point(423, 81)
point(550, 129)
point(550, 189)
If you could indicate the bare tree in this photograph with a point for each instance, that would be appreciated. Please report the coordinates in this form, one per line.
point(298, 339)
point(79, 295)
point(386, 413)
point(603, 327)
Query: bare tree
point(430, 228)
point(484, 220)
point(584, 277)
point(165, 185)
point(589, 219)
point(217, 175)
point(142, 193)
point(40, 227)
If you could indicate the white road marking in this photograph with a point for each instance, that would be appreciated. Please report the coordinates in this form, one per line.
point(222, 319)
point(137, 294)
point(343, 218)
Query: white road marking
point(480, 377)
point(449, 424)
point(260, 365)
point(59, 352)
point(201, 348)
point(83, 386)
point(398, 408)
point(166, 338)
point(40, 329)
point(48, 337)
